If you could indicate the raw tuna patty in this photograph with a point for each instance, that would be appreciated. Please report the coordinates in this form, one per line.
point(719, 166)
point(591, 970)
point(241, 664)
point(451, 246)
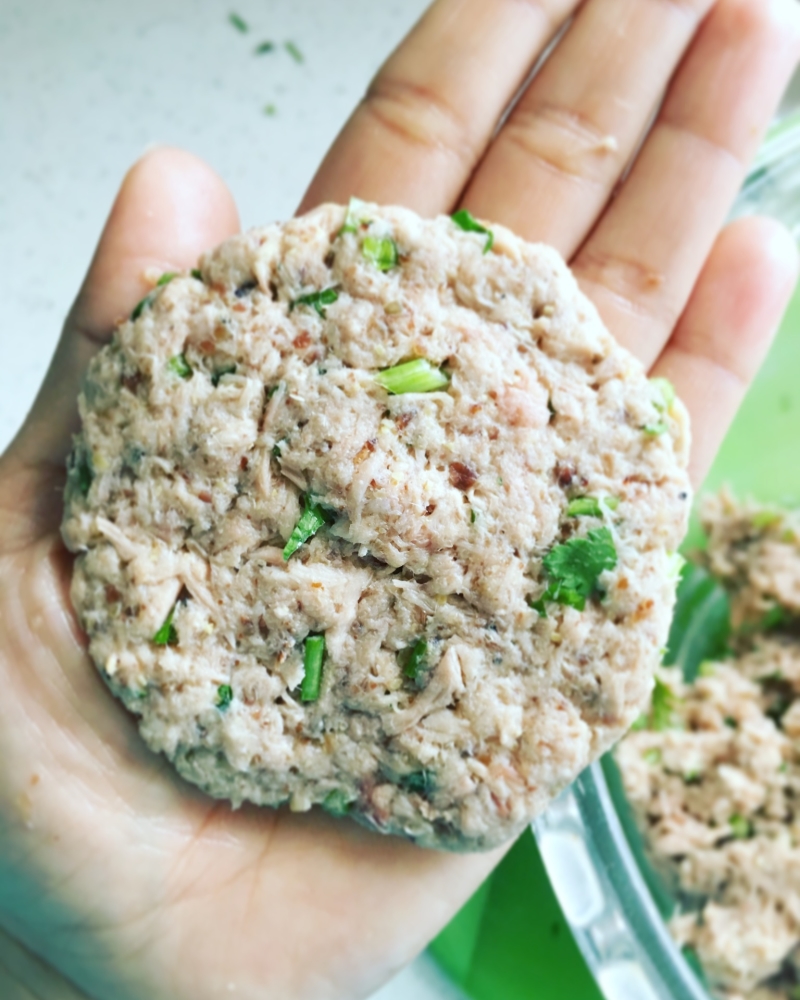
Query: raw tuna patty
point(372, 512)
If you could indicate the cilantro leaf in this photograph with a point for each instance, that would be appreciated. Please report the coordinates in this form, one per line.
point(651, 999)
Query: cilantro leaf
point(464, 220)
point(573, 568)
point(224, 696)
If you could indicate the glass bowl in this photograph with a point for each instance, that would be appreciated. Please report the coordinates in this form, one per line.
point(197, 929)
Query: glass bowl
point(593, 853)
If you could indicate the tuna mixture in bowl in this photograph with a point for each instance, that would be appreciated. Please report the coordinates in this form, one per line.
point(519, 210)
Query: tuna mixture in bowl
point(712, 771)
point(372, 513)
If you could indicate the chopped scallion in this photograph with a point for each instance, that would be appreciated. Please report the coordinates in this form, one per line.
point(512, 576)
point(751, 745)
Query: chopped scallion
point(741, 827)
point(464, 220)
point(180, 366)
point(311, 520)
point(166, 278)
point(654, 430)
point(316, 300)
point(313, 655)
point(380, 251)
point(667, 390)
point(412, 659)
point(584, 507)
point(418, 375)
point(354, 217)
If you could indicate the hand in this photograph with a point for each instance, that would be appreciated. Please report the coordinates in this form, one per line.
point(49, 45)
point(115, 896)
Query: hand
point(117, 880)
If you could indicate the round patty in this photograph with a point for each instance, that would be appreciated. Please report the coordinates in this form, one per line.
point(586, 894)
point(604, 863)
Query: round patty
point(425, 594)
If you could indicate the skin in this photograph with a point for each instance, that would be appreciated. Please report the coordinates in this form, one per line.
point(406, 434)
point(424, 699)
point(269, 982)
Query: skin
point(117, 879)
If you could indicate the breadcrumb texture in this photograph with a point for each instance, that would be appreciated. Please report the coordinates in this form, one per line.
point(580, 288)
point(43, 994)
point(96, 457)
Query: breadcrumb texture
point(717, 792)
point(232, 399)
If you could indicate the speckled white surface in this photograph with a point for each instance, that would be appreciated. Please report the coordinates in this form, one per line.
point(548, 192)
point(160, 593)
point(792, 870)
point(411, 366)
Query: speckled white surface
point(87, 85)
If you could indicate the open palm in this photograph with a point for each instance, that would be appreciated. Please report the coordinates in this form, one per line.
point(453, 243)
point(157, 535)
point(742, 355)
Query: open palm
point(117, 880)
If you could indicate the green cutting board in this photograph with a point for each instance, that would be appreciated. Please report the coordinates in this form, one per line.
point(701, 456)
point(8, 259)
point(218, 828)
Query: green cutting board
point(510, 941)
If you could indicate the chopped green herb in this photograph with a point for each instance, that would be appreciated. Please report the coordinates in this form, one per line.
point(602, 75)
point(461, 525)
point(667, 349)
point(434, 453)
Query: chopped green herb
point(611, 502)
point(140, 306)
point(166, 278)
point(667, 390)
point(422, 782)
point(473, 517)
point(337, 803)
point(354, 218)
point(693, 777)
point(197, 273)
point(662, 706)
point(85, 475)
point(412, 659)
point(380, 251)
point(652, 756)
point(239, 23)
point(228, 369)
point(741, 827)
point(276, 450)
point(418, 375)
point(311, 520)
point(180, 366)
point(655, 430)
point(584, 507)
point(317, 300)
point(264, 47)
point(270, 110)
point(313, 655)
point(167, 634)
point(294, 52)
point(464, 220)
point(224, 696)
point(730, 722)
point(573, 568)
point(640, 724)
point(765, 519)
point(774, 618)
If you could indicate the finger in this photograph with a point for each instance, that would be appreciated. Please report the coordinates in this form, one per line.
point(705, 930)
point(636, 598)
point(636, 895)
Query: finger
point(170, 207)
point(727, 328)
point(429, 113)
point(641, 263)
point(556, 160)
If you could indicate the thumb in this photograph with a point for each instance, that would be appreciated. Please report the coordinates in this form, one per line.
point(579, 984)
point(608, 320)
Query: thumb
point(170, 208)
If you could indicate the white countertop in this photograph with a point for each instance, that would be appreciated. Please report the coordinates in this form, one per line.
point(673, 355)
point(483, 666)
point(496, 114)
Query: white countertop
point(87, 85)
